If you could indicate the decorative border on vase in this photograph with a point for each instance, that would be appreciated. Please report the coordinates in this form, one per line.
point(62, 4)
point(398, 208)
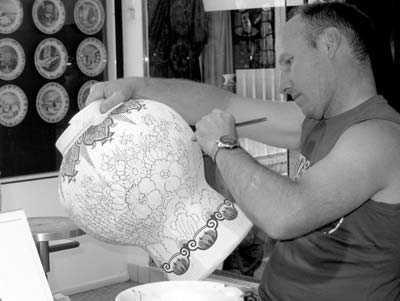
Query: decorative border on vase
point(203, 239)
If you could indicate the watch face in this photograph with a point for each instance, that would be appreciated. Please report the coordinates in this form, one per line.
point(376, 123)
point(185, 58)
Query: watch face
point(48, 15)
point(51, 58)
point(229, 140)
point(12, 59)
point(13, 105)
point(11, 15)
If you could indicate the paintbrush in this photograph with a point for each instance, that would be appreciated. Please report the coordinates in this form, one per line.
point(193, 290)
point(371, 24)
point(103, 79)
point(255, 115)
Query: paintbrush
point(251, 121)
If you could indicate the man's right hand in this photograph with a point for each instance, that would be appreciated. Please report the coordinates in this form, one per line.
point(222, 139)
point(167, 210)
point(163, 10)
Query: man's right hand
point(111, 92)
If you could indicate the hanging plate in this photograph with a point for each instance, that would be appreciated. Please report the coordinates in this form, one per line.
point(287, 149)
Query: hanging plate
point(13, 105)
point(91, 56)
point(48, 15)
point(52, 102)
point(51, 58)
point(11, 15)
point(12, 59)
point(89, 16)
point(84, 93)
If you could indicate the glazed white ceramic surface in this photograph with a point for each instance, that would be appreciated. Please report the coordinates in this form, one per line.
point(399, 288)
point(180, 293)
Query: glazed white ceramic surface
point(138, 179)
point(181, 290)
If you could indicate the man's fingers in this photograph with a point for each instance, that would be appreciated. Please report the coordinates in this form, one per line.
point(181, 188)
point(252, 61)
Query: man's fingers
point(96, 92)
point(113, 100)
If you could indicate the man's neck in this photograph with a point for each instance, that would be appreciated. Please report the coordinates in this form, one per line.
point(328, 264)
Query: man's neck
point(351, 90)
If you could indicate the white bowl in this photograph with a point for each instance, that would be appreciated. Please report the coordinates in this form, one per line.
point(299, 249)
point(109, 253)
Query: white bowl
point(181, 290)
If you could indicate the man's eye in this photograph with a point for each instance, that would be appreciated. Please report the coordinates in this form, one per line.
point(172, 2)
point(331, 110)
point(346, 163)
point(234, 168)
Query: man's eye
point(289, 61)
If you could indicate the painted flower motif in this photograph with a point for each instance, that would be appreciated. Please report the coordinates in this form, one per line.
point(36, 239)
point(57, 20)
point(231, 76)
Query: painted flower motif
point(148, 119)
point(125, 170)
point(143, 198)
point(121, 170)
point(93, 191)
point(167, 174)
point(161, 130)
point(135, 152)
point(126, 139)
point(117, 196)
point(185, 223)
point(106, 162)
point(154, 154)
point(138, 169)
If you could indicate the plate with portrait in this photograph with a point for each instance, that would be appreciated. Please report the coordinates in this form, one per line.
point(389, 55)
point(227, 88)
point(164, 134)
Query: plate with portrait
point(84, 93)
point(48, 15)
point(51, 58)
point(12, 59)
point(11, 15)
point(13, 105)
point(91, 57)
point(52, 102)
point(89, 16)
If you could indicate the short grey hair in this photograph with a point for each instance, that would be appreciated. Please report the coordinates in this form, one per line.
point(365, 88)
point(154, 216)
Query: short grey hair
point(356, 26)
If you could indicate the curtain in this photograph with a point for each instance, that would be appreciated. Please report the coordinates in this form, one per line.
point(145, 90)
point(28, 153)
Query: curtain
point(218, 53)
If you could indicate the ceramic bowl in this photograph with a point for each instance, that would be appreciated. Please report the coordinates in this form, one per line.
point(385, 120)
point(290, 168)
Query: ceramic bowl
point(181, 290)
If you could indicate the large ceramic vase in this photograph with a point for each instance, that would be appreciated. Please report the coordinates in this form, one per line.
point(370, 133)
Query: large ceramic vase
point(137, 179)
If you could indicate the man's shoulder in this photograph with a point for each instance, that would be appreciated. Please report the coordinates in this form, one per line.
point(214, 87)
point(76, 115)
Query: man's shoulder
point(377, 143)
point(375, 130)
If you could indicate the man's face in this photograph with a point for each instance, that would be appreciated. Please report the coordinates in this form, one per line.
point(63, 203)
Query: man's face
point(304, 70)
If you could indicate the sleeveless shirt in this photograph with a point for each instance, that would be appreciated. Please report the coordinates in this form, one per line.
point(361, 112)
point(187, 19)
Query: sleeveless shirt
point(354, 258)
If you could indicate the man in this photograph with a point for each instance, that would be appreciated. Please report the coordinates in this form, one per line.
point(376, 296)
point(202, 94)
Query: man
point(338, 222)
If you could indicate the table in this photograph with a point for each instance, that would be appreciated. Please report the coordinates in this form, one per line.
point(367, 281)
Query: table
point(51, 228)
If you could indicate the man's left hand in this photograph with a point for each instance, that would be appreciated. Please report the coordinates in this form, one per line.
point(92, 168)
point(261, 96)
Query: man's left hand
point(211, 127)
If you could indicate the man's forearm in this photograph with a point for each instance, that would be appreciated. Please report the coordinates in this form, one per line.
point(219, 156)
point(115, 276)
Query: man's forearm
point(190, 99)
point(261, 193)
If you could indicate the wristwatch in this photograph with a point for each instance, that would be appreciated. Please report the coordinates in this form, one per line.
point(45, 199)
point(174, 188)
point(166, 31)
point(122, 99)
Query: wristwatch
point(226, 142)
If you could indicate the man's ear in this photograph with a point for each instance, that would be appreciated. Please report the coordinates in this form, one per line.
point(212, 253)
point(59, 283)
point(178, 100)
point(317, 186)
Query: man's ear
point(331, 40)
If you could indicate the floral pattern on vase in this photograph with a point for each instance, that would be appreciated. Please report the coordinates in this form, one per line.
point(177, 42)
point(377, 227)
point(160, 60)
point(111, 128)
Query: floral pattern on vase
point(138, 179)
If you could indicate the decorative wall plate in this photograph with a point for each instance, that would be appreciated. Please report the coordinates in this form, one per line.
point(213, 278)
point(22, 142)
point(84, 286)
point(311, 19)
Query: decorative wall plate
point(84, 93)
point(91, 56)
point(133, 176)
point(48, 15)
point(12, 59)
point(51, 58)
point(52, 102)
point(89, 16)
point(11, 15)
point(13, 105)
